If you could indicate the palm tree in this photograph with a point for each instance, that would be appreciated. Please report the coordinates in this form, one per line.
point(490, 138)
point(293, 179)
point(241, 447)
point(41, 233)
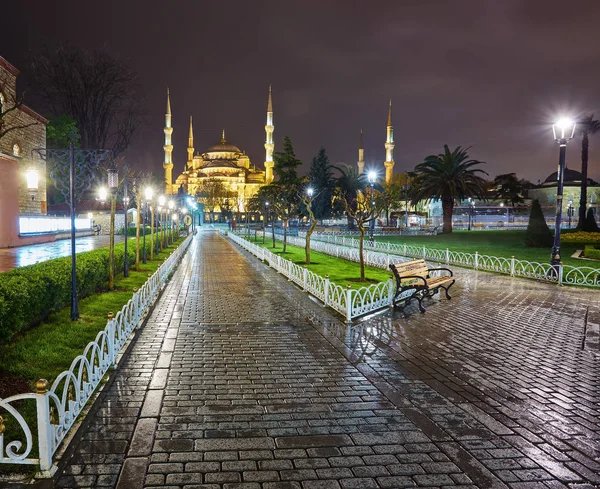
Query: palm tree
point(588, 125)
point(448, 176)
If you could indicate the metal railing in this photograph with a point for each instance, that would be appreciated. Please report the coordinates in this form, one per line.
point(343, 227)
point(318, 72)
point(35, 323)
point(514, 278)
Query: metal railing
point(351, 303)
point(562, 275)
point(58, 407)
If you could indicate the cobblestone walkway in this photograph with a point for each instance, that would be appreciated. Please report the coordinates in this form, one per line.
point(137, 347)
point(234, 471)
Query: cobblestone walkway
point(239, 381)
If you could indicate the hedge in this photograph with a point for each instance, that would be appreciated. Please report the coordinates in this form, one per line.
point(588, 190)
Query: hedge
point(581, 237)
point(29, 294)
point(591, 251)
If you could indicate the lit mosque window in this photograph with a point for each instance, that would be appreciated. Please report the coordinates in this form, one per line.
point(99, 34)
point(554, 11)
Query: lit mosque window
point(16, 150)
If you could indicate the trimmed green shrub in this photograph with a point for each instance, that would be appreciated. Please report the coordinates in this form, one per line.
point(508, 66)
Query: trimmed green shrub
point(29, 294)
point(589, 223)
point(591, 251)
point(538, 234)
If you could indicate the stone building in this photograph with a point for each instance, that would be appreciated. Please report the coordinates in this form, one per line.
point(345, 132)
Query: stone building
point(546, 193)
point(223, 162)
point(29, 133)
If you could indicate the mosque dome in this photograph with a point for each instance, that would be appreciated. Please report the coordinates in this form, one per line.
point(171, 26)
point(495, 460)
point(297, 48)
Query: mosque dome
point(224, 147)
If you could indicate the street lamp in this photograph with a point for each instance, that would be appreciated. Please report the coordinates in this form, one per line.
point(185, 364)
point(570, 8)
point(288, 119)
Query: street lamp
point(471, 212)
point(126, 227)
point(171, 206)
point(563, 130)
point(570, 211)
point(162, 200)
point(33, 178)
point(266, 220)
point(113, 186)
point(406, 205)
point(372, 176)
point(148, 196)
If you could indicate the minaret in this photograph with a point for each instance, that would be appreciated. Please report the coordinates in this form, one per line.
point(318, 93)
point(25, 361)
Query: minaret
point(190, 150)
point(361, 155)
point(389, 148)
point(269, 145)
point(168, 147)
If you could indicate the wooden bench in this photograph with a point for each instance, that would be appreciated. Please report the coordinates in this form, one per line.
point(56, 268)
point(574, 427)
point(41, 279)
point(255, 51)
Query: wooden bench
point(414, 281)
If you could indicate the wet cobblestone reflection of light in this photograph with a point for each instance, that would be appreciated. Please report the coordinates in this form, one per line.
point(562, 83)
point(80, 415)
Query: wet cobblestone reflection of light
point(30, 255)
point(239, 380)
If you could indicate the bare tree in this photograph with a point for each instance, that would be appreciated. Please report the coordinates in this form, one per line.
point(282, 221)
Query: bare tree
point(212, 193)
point(100, 92)
point(10, 104)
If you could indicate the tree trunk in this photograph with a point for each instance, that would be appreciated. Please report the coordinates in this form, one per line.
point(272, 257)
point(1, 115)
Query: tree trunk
point(273, 231)
point(285, 221)
point(447, 208)
point(313, 224)
point(361, 229)
point(585, 144)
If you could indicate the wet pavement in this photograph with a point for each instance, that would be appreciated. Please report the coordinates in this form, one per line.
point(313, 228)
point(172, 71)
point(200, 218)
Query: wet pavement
point(240, 381)
point(29, 255)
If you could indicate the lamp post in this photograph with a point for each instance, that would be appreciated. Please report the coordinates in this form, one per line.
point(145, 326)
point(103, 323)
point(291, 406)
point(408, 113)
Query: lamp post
point(266, 220)
point(372, 176)
point(148, 197)
point(171, 206)
point(113, 186)
point(471, 212)
point(563, 130)
point(162, 200)
point(406, 205)
point(126, 227)
point(570, 211)
point(33, 178)
point(73, 172)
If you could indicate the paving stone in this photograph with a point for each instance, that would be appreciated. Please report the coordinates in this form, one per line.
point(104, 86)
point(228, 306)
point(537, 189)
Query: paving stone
point(491, 389)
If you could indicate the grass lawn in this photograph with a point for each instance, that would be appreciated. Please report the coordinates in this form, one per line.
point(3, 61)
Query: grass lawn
point(493, 243)
point(46, 350)
point(340, 271)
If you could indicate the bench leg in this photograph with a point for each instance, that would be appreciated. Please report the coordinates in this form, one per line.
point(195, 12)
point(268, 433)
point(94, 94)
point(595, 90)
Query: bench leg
point(447, 288)
point(420, 299)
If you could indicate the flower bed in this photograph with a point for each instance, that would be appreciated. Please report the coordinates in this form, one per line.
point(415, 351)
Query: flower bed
point(580, 237)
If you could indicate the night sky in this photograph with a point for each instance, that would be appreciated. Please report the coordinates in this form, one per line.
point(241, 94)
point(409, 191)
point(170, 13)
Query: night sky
point(492, 74)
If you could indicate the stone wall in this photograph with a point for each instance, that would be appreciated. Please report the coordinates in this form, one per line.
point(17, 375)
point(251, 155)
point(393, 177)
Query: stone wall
point(21, 141)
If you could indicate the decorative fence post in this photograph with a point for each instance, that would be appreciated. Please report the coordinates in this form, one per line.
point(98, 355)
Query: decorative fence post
point(304, 277)
point(424, 253)
point(326, 300)
point(404, 251)
point(44, 425)
point(387, 260)
point(391, 291)
point(348, 304)
point(447, 256)
point(112, 354)
point(512, 266)
point(476, 260)
point(560, 274)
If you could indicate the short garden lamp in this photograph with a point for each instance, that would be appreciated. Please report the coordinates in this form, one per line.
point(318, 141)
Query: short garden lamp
point(113, 179)
point(162, 200)
point(102, 194)
point(171, 204)
point(33, 179)
point(563, 131)
point(148, 194)
point(372, 177)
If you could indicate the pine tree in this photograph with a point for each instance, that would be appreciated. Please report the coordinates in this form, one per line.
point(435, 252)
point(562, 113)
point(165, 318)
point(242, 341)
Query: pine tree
point(286, 164)
point(538, 234)
point(590, 225)
point(321, 180)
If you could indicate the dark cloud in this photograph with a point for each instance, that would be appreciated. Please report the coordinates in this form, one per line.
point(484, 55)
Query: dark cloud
point(487, 73)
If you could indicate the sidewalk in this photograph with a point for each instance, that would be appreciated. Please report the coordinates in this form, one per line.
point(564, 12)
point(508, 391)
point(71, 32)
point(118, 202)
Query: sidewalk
point(240, 381)
point(29, 255)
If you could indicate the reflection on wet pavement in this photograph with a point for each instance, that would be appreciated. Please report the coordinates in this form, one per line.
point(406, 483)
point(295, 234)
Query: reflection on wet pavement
point(29, 255)
point(239, 380)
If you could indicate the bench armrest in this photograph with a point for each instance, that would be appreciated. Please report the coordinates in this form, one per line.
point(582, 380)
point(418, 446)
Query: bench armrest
point(441, 270)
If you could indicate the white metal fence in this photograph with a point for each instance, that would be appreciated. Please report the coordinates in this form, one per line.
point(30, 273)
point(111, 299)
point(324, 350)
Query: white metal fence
point(351, 303)
point(57, 408)
point(563, 274)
